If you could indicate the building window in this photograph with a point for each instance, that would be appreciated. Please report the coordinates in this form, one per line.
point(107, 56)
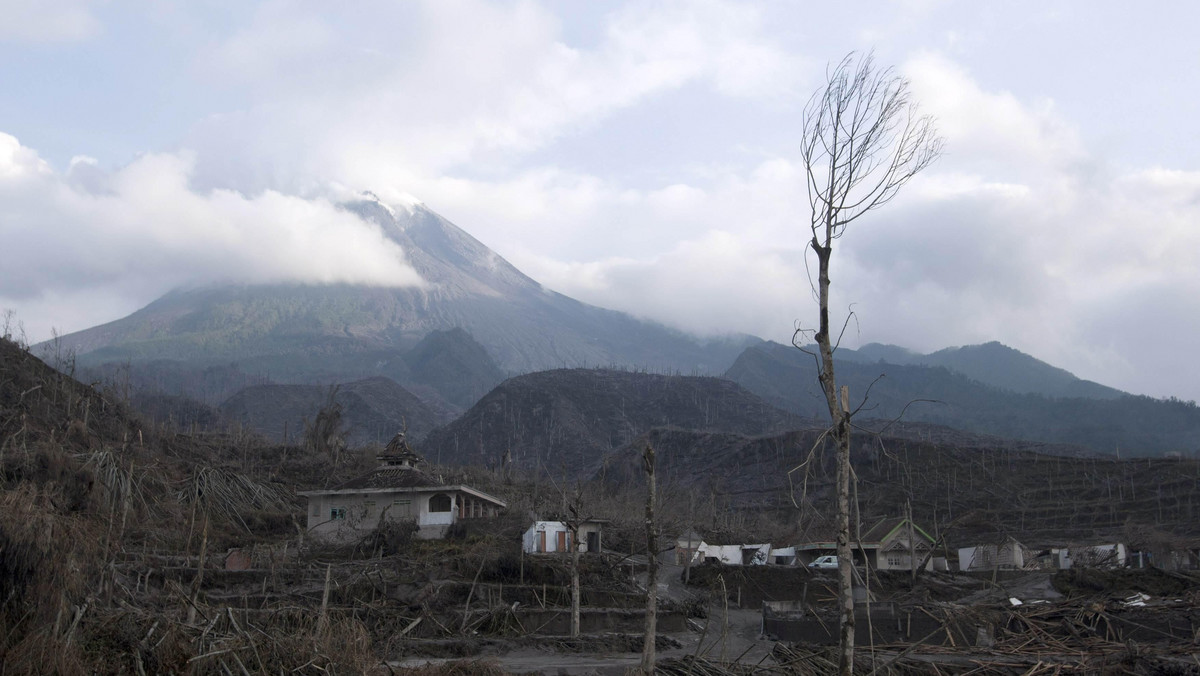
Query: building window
point(893, 560)
point(316, 508)
point(439, 503)
point(337, 513)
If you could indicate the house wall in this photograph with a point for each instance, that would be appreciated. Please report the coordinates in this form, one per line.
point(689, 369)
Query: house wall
point(531, 540)
point(727, 554)
point(783, 556)
point(682, 553)
point(895, 560)
point(1099, 556)
point(982, 557)
point(350, 515)
point(1008, 556)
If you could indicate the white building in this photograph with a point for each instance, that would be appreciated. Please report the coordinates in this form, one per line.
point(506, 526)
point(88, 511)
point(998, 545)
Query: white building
point(547, 537)
point(396, 490)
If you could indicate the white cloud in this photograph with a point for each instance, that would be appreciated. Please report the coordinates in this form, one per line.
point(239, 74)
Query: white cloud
point(993, 129)
point(47, 20)
point(475, 84)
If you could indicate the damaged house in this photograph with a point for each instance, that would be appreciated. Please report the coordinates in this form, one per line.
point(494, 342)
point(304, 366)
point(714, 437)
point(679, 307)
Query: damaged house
point(399, 490)
point(691, 546)
point(1007, 555)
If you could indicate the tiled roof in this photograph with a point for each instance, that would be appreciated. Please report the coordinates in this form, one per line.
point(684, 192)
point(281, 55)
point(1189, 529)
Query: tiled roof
point(392, 477)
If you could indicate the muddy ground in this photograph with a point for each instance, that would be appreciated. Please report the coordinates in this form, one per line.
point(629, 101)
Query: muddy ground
point(1077, 622)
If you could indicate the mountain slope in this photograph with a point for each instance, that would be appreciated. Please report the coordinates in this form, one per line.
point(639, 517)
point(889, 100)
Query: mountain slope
point(1132, 425)
point(340, 332)
point(562, 422)
point(1006, 368)
point(455, 365)
point(992, 364)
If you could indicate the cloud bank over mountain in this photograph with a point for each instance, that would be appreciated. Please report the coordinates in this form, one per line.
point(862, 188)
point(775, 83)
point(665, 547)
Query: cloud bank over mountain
point(143, 230)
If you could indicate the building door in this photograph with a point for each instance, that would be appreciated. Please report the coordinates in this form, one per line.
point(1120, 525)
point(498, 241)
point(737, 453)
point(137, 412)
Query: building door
point(541, 545)
point(593, 541)
point(562, 541)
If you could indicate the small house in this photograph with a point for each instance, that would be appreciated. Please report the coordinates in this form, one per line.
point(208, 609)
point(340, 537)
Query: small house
point(688, 547)
point(547, 537)
point(398, 489)
point(890, 544)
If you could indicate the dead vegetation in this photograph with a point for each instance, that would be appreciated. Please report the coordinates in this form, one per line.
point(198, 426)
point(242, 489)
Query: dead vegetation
point(128, 548)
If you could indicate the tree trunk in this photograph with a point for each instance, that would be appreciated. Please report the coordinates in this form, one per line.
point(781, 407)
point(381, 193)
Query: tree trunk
point(839, 413)
point(574, 545)
point(845, 554)
point(647, 666)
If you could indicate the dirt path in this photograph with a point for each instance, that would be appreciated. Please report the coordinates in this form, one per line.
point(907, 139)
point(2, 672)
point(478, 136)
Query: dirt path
point(740, 641)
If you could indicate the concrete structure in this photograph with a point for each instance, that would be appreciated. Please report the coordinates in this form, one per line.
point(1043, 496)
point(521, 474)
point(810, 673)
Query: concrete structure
point(1099, 556)
point(691, 545)
point(783, 556)
point(396, 490)
point(547, 537)
point(1007, 555)
point(737, 555)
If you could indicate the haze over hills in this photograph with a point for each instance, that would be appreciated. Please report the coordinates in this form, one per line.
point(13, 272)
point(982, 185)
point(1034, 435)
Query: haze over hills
point(1034, 409)
point(478, 319)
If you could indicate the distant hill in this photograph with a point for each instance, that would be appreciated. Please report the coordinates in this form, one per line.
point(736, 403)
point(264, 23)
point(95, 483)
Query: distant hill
point(1124, 424)
point(562, 422)
point(338, 333)
point(373, 410)
point(455, 365)
point(992, 364)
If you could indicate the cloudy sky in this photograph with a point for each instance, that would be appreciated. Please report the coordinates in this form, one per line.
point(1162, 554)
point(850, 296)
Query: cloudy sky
point(642, 156)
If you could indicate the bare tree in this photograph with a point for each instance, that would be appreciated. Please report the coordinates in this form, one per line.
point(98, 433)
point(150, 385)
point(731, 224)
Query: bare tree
point(325, 434)
point(651, 630)
point(863, 139)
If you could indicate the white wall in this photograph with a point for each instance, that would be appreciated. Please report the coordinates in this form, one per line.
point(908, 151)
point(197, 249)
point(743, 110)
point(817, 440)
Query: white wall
point(530, 539)
point(363, 511)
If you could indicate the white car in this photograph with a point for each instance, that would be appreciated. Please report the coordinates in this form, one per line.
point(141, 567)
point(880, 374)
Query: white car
point(828, 562)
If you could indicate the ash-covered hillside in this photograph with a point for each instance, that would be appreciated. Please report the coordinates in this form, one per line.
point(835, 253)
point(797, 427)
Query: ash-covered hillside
point(369, 411)
point(563, 422)
point(1082, 414)
point(966, 487)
